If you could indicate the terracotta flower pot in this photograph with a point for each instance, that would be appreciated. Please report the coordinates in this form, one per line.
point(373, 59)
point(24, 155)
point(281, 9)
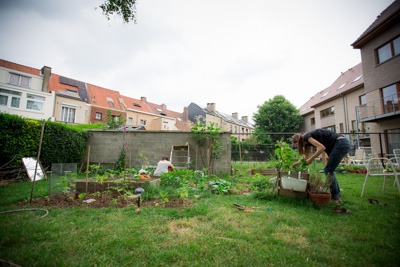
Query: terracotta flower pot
point(320, 198)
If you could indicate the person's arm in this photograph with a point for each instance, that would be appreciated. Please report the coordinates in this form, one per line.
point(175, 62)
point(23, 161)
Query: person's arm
point(320, 148)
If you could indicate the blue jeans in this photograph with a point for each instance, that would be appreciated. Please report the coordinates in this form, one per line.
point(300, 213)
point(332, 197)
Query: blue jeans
point(339, 151)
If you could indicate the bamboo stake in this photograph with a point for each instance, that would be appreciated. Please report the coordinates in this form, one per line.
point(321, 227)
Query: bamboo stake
point(37, 160)
point(87, 168)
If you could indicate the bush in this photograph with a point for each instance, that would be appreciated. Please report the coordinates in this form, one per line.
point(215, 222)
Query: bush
point(21, 138)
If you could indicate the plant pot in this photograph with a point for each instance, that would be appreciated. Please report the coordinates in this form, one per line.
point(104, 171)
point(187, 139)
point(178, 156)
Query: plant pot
point(320, 199)
point(294, 184)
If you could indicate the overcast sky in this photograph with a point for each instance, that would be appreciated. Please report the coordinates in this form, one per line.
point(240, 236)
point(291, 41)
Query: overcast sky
point(237, 54)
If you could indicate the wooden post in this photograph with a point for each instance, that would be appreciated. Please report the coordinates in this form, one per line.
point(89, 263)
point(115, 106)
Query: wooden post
point(37, 159)
point(87, 168)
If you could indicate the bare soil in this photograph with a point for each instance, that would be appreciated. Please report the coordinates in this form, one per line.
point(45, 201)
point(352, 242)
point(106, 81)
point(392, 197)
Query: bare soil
point(102, 201)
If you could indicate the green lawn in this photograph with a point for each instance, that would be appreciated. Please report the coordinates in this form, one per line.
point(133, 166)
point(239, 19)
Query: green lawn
point(211, 232)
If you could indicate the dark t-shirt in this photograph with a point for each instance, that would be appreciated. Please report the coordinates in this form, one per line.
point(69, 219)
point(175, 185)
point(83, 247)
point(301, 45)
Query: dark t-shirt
point(325, 137)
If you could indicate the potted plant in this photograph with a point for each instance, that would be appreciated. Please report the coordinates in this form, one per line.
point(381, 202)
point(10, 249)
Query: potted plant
point(291, 181)
point(319, 189)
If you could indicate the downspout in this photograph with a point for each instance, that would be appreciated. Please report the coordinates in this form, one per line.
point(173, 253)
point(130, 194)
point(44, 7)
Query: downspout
point(346, 113)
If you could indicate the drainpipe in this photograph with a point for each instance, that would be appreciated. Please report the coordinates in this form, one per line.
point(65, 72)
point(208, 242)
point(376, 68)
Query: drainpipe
point(346, 113)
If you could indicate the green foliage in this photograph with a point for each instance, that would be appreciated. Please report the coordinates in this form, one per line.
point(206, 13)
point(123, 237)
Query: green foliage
point(276, 115)
point(286, 156)
point(113, 122)
point(220, 186)
point(207, 136)
point(124, 8)
point(20, 138)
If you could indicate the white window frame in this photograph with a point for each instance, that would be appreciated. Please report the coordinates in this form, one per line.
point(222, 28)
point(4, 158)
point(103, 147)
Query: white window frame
point(11, 96)
point(68, 113)
point(19, 80)
point(98, 116)
point(35, 101)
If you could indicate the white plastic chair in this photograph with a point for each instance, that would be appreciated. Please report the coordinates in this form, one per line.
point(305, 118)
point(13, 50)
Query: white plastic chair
point(396, 160)
point(377, 167)
point(358, 157)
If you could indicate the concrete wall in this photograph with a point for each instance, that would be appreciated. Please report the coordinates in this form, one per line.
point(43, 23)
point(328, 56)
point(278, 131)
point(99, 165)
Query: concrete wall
point(105, 147)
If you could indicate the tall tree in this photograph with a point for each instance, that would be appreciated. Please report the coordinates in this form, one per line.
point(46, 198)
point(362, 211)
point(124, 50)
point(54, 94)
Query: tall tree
point(277, 115)
point(124, 8)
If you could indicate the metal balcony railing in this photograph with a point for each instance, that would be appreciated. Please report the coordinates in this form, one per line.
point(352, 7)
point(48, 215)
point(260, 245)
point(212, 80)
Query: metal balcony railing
point(379, 108)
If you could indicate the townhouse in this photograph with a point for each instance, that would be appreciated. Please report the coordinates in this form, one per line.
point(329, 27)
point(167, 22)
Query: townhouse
point(24, 91)
point(363, 102)
point(380, 55)
point(43, 95)
point(241, 129)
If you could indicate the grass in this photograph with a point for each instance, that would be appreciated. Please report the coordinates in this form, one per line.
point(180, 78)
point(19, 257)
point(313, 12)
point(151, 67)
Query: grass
point(209, 233)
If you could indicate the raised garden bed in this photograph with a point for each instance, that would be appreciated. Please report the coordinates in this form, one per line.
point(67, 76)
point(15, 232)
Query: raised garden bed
point(94, 185)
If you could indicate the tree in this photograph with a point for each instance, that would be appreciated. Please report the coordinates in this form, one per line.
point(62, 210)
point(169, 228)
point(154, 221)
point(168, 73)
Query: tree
point(124, 8)
point(276, 115)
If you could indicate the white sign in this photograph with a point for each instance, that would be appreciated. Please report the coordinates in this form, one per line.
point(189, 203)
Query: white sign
point(30, 166)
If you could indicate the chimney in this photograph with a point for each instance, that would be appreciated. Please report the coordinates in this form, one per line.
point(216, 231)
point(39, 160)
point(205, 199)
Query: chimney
point(211, 106)
point(245, 119)
point(46, 72)
point(235, 115)
point(186, 113)
point(143, 99)
point(164, 106)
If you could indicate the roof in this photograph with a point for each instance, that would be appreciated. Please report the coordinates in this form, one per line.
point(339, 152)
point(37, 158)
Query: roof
point(228, 118)
point(61, 89)
point(19, 67)
point(134, 104)
point(348, 81)
point(387, 18)
point(104, 97)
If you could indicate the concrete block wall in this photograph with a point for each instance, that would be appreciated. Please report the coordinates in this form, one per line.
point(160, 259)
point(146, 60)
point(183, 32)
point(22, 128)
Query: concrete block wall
point(105, 147)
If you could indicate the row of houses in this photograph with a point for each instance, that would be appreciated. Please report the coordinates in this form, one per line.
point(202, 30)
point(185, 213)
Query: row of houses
point(41, 94)
point(364, 100)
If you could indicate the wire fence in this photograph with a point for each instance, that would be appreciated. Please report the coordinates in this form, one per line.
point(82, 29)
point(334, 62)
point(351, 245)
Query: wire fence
point(382, 143)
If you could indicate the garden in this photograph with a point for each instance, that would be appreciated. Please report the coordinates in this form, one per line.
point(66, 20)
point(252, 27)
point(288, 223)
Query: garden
point(196, 218)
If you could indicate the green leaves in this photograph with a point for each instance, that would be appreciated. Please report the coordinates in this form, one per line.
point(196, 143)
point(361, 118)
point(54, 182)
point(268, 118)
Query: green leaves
point(276, 115)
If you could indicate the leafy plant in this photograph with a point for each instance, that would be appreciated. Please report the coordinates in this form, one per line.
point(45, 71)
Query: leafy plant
point(220, 186)
point(207, 136)
point(318, 182)
point(286, 156)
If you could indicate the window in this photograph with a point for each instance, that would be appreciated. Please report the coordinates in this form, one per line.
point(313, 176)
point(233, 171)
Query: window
point(362, 100)
point(331, 128)
point(357, 78)
point(313, 121)
point(353, 125)
point(98, 116)
point(130, 120)
point(390, 98)
point(327, 112)
point(341, 127)
point(143, 122)
point(110, 102)
point(68, 114)
point(19, 80)
point(13, 96)
point(388, 50)
point(35, 102)
point(137, 105)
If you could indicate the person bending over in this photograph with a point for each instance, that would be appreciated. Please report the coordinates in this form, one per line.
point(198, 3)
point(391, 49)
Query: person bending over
point(335, 145)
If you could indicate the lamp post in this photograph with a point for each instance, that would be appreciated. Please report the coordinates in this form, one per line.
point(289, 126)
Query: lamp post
point(139, 191)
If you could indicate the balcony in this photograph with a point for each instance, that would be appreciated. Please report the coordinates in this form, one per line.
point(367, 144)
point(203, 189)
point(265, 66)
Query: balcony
point(378, 110)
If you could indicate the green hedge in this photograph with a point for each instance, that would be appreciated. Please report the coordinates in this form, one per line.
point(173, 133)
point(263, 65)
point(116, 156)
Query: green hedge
point(20, 137)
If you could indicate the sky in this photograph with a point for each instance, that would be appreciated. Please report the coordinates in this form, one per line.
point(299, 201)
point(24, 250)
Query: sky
point(236, 54)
